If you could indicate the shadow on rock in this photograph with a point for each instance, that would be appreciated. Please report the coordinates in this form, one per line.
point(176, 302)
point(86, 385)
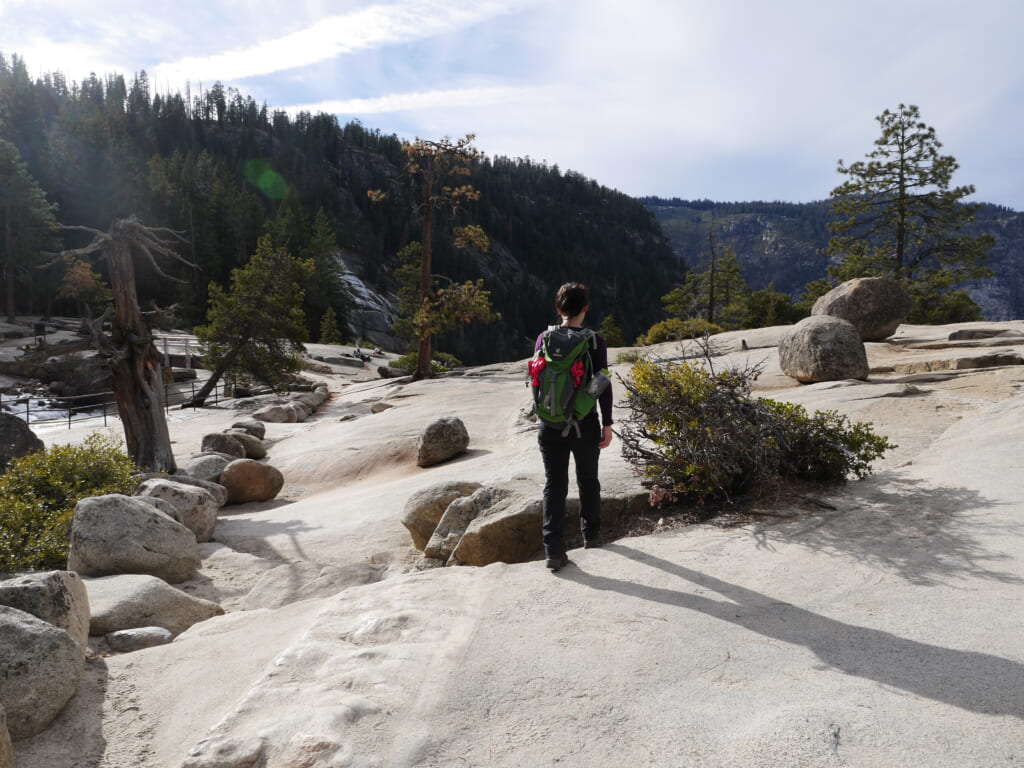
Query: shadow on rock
point(926, 535)
point(77, 731)
point(978, 682)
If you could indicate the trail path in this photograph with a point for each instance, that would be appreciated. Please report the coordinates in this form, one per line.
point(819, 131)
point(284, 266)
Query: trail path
point(884, 632)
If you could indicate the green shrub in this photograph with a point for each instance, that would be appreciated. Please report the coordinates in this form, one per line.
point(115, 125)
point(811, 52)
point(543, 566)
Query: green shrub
point(696, 433)
point(676, 329)
point(38, 494)
point(628, 356)
point(440, 362)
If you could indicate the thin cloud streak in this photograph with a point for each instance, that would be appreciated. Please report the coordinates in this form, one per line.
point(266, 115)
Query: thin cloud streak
point(368, 28)
point(404, 102)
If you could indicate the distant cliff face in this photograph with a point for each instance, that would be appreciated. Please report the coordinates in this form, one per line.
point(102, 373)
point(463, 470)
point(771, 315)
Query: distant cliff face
point(784, 244)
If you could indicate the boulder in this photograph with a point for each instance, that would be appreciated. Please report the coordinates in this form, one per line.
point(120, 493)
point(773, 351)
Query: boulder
point(207, 466)
point(441, 440)
point(196, 506)
point(253, 446)
point(56, 597)
point(6, 749)
point(312, 400)
point(507, 531)
point(121, 534)
point(128, 640)
point(16, 439)
point(301, 410)
point(254, 427)
point(275, 414)
point(218, 491)
point(248, 480)
point(219, 442)
point(424, 508)
point(129, 601)
point(164, 506)
point(823, 348)
point(875, 305)
point(456, 519)
point(40, 667)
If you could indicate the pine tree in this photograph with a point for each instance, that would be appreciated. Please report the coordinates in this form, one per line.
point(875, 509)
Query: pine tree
point(329, 331)
point(258, 326)
point(28, 221)
point(899, 217)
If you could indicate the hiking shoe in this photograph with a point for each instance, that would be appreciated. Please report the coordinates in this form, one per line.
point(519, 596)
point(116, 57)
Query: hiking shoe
point(594, 543)
point(554, 562)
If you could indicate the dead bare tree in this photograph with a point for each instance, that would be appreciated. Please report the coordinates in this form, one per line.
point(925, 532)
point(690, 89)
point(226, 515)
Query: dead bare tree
point(128, 348)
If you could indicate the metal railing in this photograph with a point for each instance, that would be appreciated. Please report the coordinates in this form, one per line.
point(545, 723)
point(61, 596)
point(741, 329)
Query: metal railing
point(88, 405)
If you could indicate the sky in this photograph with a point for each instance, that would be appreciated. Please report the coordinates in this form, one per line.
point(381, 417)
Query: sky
point(730, 100)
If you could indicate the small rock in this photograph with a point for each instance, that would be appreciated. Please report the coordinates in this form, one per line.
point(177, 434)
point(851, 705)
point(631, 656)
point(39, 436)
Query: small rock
point(254, 427)
point(218, 442)
point(128, 640)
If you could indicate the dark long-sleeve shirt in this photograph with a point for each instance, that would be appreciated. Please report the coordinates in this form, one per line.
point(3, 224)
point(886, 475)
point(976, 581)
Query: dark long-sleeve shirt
point(599, 359)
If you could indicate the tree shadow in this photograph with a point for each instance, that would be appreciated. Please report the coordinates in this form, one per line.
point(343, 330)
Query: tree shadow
point(925, 534)
point(977, 682)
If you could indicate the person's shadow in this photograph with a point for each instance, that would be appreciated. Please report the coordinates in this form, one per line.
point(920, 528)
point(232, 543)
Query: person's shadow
point(979, 682)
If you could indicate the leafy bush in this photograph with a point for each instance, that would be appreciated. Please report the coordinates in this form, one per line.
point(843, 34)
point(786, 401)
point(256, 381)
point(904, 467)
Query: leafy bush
point(628, 356)
point(38, 494)
point(440, 362)
point(696, 433)
point(675, 329)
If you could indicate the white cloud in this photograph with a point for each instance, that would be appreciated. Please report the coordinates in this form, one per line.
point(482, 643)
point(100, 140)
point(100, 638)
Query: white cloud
point(368, 28)
point(405, 102)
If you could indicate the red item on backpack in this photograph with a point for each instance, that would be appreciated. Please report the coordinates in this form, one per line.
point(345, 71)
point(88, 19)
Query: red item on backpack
point(535, 366)
point(576, 369)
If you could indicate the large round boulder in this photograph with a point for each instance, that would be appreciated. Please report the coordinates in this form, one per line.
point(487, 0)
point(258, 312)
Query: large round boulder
point(275, 414)
point(254, 448)
point(441, 440)
point(56, 597)
point(219, 442)
point(424, 508)
point(207, 466)
point(248, 480)
point(40, 667)
point(823, 348)
point(130, 601)
point(196, 507)
point(16, 439)
point(122, 534)
point(254, 427)
point(875, 305)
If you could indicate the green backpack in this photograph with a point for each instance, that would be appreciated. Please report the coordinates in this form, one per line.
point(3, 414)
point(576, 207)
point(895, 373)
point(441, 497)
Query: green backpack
point(560, 373)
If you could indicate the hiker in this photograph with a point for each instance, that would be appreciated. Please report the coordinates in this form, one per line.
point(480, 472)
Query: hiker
point(570, 383)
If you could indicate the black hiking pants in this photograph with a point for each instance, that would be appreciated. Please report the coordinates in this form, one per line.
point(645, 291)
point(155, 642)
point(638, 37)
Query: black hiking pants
point(555, 451)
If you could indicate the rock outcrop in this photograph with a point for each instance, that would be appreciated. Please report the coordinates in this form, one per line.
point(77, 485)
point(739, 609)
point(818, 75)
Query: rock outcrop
point(875, 305)
point(56, 597)
point(40, 667)
point(823, 348)
point(121, 534)
point(16, 439)
point(424, 509)
point(440, 441)
point(130, 601)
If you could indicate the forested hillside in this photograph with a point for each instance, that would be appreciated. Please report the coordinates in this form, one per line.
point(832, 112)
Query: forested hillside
point(784, 243)
point(222, 170)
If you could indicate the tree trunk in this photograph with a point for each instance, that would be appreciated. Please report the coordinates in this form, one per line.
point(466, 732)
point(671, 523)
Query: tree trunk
point(135, 367)
point(199, 399)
